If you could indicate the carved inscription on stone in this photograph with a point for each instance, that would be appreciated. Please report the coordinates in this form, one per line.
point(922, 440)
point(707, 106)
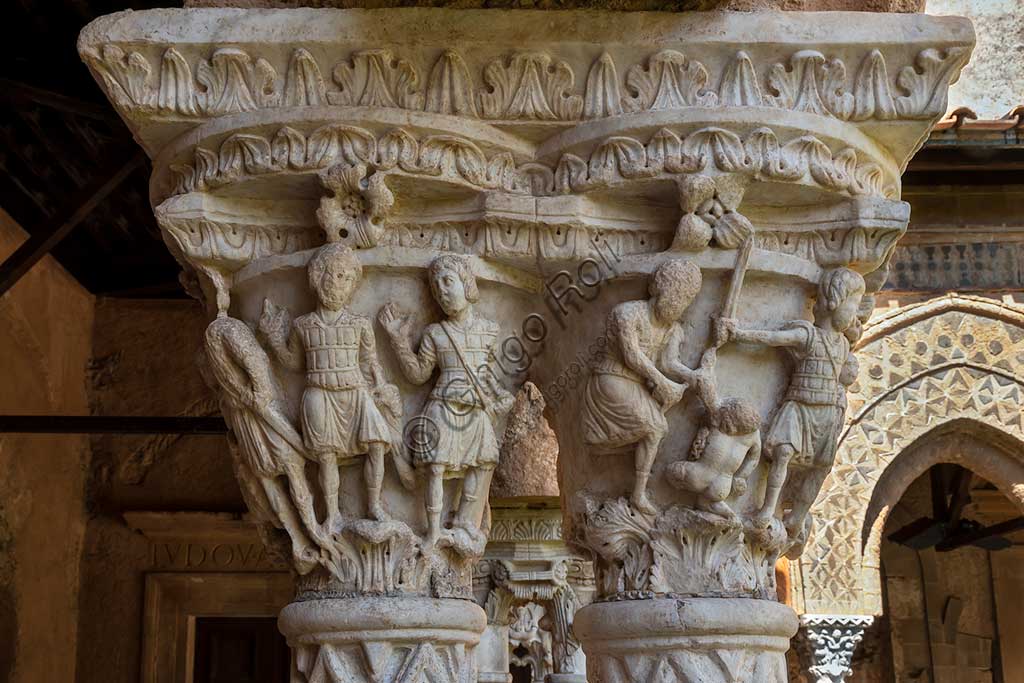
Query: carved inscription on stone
point(235, 557)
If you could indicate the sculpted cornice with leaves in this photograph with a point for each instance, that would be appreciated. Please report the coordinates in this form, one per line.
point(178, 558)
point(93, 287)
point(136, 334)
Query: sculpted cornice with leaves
point(458, 160)
point(528, 85)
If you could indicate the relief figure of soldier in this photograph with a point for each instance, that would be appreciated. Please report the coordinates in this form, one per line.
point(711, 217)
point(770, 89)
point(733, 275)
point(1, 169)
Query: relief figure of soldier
point(341, 421)
point(804, 431)
point(467, 398)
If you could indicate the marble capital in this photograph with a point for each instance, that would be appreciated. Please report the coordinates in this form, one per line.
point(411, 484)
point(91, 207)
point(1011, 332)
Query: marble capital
point(672, 224)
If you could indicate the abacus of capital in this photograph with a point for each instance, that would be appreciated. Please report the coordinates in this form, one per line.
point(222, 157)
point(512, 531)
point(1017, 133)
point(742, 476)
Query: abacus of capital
point(671, 224)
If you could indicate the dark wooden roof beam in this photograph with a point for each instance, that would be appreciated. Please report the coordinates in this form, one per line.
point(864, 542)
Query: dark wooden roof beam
point(45, 238)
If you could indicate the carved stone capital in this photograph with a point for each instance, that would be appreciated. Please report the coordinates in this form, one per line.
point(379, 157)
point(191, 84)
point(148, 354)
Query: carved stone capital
point(827, 642)
point(672, 224)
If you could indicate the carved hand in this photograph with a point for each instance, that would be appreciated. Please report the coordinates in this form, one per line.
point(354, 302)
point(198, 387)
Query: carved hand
point(725, 330)
point(394, 322)
point(739, 486)
point(274, 324)
point(669, 393)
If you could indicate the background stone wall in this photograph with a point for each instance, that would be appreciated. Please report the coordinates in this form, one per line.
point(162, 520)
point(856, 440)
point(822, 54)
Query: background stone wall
point(45, 327)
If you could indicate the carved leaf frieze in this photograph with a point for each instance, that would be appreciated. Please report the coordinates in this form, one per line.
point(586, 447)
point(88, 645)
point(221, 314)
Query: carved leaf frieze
point(526, 85)
point(529, 86)
point(375, 78)
point(617, 159)
point(669, 81)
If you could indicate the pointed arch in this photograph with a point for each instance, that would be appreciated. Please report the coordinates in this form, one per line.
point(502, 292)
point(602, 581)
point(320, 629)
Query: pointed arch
point(938, 365)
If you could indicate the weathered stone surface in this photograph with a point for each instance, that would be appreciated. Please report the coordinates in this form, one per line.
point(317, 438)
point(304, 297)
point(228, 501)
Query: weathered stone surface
point(634, 5)
point(529, 455)
point(648, 221)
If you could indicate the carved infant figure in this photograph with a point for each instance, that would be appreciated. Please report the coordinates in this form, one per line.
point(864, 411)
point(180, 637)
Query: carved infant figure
point(340, 419)
point(629, 391)
point(466, 399)
point(805, 428)
point(725, 450)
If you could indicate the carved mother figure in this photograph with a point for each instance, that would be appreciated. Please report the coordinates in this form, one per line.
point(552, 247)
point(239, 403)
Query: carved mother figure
point(466, 398)
point(630, 390)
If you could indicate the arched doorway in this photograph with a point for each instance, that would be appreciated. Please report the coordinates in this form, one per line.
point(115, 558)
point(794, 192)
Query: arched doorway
point(949, 545)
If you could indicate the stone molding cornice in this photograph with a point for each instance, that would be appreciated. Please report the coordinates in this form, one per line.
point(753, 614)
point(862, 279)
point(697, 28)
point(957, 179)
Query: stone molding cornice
point(176, 78)
point(168, 71)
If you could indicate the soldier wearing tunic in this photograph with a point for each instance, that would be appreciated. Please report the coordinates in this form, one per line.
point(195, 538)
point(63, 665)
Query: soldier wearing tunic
point(466, 397)
point(804, 431)
point(340, 420)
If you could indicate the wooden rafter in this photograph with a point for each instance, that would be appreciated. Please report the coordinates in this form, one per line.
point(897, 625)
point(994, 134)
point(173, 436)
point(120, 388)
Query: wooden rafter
point(76, 209)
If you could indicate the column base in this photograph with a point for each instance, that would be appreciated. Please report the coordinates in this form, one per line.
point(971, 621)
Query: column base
point(710, 640)
point(383, 639)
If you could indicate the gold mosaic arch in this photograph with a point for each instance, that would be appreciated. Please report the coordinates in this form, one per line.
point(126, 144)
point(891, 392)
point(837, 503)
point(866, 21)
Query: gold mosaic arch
point(921, 366)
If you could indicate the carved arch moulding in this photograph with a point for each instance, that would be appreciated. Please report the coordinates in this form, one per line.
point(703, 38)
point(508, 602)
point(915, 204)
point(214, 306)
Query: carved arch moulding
point(952, 363)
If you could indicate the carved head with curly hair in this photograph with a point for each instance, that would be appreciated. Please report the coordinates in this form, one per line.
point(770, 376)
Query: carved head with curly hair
point(839, 294)
point(334, 273)
point(673, 287)
point(452, 283)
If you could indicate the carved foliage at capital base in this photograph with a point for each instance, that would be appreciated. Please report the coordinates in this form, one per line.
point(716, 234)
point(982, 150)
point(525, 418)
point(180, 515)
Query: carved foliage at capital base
point(681, 552)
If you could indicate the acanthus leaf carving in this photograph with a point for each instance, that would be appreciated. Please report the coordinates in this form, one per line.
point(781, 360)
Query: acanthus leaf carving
point(669, 81)
point(602, 97)
point(528, 85)
point(616, 159)
point(739, 87)
point(450, 87)
point(231, 83)
point(334, 143)
point(926, 84)
point(375, 78)
point(128, 76)
point(288, 148)
point(177, 90)
point(399, 149)
point(304, 84)
point(872, 94)
point(524, 86)
point(811, 83)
